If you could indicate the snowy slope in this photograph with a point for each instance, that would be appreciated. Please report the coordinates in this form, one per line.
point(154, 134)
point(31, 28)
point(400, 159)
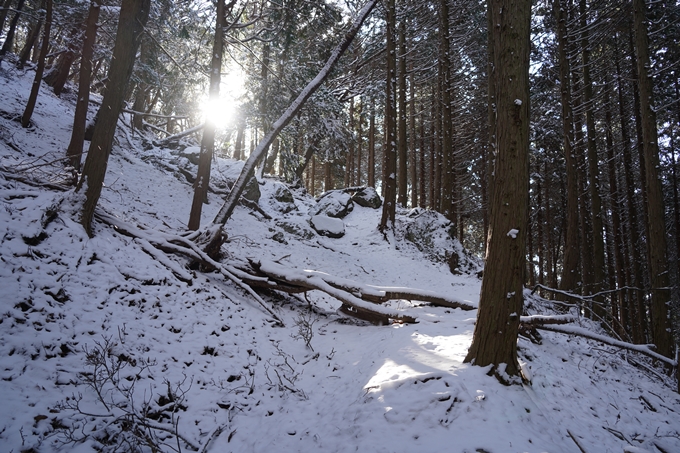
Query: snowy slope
point(204, 359)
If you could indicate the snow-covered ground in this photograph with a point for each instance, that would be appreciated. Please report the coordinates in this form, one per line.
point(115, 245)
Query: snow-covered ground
point(204, 360)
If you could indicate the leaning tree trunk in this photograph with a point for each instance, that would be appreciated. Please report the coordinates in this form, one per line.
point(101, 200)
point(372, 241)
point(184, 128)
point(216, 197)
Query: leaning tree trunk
point(3, 13)
point(658, 262)
point(501, 300)
point(75, 147)
point(133, 17)
point(35, 88)
point(208, 141)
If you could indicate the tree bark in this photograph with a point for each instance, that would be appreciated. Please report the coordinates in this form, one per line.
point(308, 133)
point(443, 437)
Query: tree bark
point(205, 157)
point(501, 300)
point(35, 88)
point(402, 144)
point(570, 275)
point(75, 147)
point(133, 17)
point(658, 262)
point(9, 37)
point(597, 252)
point(390, 149)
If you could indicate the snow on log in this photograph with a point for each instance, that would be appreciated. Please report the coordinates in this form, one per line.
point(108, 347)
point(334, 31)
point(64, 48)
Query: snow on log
point(311, 281)
point(540, 320)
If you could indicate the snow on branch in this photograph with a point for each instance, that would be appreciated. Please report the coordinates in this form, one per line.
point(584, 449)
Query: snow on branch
point(581, 332)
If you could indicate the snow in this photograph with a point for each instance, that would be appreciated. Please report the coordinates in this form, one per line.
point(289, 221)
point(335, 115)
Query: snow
point(329, 225)
point(254, 385)
point(513, 233)
point(518, 102)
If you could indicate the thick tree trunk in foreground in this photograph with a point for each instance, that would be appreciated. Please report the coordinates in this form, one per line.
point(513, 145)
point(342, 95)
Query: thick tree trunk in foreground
point(75, 147)
point(501, 301)
point(35, 88)
point(133, 17)
point(658, 262)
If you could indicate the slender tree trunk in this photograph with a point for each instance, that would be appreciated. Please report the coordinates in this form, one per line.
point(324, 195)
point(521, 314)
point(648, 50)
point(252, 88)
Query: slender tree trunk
point(570, 275)
point(360, 140)
point(202, 182)
point(422, 178)
point(239, 142)
point(31, 39)
point(402, 143)
point(370, 170)
point(615, 196)
point(9, 38)
point(446, 147)
point(501, 300)
point(35, 88)
point(390, 150)
point(413, 168)
point(597, 252)
point(658, 262)
point(75, 148)
point(3, 13)
point(349, 163)
point(133, 17)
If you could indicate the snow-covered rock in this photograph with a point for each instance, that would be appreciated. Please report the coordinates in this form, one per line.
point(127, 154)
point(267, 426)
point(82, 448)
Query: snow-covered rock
point(334, 203)
point(328, 226)
point(368, 198)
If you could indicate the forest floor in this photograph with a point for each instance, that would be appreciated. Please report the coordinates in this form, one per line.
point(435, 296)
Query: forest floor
point(102, 346)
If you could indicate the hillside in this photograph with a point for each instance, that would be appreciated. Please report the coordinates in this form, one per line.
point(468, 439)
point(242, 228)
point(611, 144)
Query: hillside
point(118, 349)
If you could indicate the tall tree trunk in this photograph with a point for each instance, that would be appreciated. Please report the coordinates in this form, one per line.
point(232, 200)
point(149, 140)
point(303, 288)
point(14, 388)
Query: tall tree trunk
point(31, 39)
point(501, 300)
point(390, 149)
point(597, 252)
point(402, 144)
point(57, 75)
point(446, 146)
point(9, 37)
point(35, 88)
point(413, 168)
point(370, 170)
point(349, 164)
point(658, 263)
point(615, 196)
point(570, 275)
point(3, 13)
point(422, 178)
point(133, 17)
point(75, 147)
point(202, 182)
point(360, 140)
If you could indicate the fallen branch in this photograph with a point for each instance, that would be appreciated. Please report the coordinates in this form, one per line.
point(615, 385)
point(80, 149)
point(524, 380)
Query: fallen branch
point(184, 246)
point(540, 320)
point(308, 280)
point(581, 332)
point(184, 133)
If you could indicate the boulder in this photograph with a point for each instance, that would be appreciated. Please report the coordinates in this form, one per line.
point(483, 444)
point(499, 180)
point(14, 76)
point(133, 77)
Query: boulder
point(328, 226)
point(333, 203)
point(284, 198)
point(368, 198)
point(252, 190)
